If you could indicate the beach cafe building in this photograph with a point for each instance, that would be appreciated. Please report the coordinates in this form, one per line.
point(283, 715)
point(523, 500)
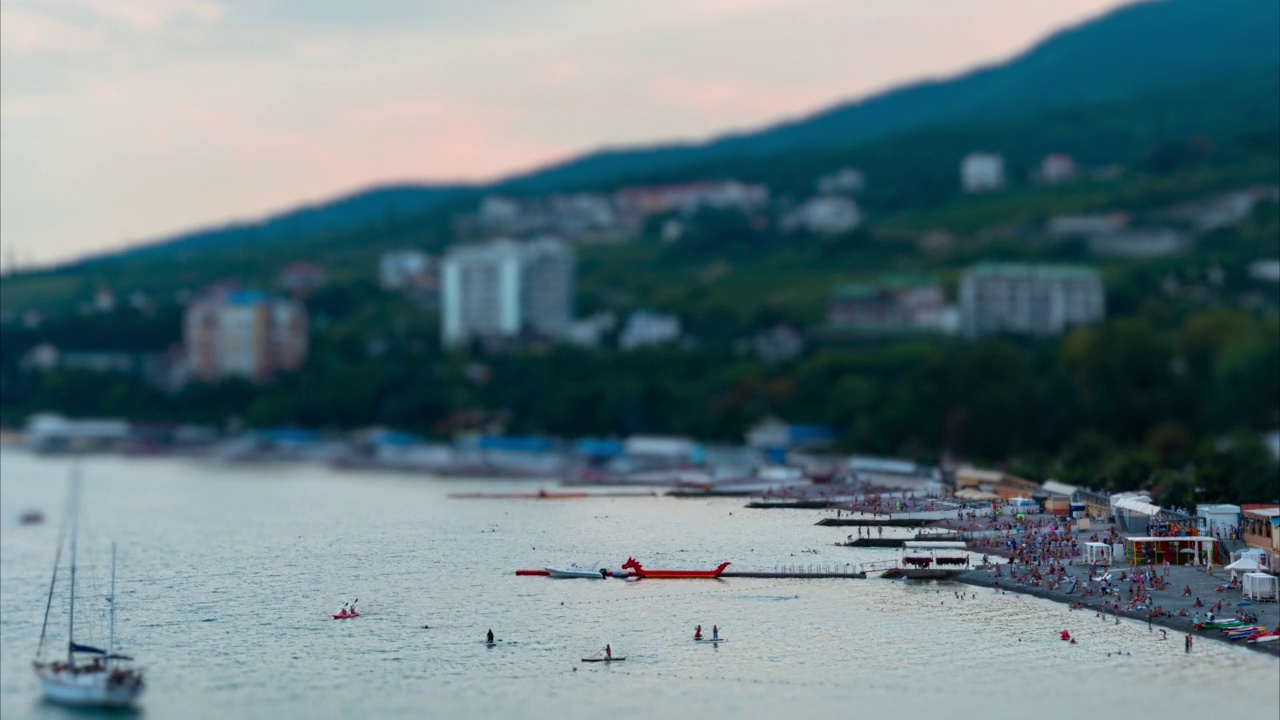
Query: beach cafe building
point(1260, 526)
point(1176, 550)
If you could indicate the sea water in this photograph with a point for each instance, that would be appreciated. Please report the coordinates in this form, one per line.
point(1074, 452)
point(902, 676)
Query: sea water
point(229, 574)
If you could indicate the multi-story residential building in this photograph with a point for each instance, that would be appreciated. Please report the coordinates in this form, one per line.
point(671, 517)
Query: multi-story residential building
point(898, 303)
point(302, 278)
point(1086, 225)
point(843, 181)
point(691, 197)
point(824, 215)
point(645, 327)
point(245, 334)
point(1029, 299)
point(1139, 243)
point(407, 269)
point(504, 289)
point(982, 172)
point(1056, 168)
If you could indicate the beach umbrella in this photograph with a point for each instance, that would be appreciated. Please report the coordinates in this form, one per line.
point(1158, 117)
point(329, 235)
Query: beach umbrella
point(1187, 550)
point(1244, 602)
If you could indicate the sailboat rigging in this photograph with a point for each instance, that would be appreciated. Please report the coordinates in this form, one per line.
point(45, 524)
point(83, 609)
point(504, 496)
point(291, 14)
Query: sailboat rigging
point(103, 681)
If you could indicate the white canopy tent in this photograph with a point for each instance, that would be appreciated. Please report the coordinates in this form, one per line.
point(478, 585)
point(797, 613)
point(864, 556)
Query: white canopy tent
point(1096, 553)
point(1261, 587)
point(1244, 564)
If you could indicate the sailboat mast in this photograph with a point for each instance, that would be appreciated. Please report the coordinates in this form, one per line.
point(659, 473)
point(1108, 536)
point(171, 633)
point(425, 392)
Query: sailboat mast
point(75, 530)
point(57, 560)
point(111, 638)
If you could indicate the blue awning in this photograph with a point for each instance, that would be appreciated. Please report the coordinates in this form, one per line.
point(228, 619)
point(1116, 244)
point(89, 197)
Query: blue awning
point(599, 448)
point(513, 444)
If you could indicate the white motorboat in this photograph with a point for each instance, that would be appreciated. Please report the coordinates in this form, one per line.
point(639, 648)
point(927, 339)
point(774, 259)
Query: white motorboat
point(576, 571)
point(90, 676)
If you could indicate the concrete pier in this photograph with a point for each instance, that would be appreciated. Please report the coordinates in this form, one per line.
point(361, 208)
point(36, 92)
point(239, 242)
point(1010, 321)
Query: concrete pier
point(796, 575)
point(874, 542)
point(887, 522)
point(790, 504)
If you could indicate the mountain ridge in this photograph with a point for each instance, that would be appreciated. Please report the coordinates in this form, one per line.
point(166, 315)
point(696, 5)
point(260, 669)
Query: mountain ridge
point(1095, 61)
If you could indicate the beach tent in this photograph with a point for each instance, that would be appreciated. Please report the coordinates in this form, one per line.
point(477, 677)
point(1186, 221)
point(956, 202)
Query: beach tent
point(1096, 553)
point(1261, 587)
point(1244, 564)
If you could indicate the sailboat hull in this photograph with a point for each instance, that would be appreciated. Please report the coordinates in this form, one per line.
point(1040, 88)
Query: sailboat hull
point(88, 690)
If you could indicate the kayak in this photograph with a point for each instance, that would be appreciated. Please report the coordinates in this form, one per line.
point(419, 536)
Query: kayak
point(604, 660)
point(346, 617)
point(532, 572)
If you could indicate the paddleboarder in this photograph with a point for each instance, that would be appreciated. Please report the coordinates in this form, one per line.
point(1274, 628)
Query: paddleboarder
point(489, 638)
point(608, 652)
point(697, 633)
point(715, 632)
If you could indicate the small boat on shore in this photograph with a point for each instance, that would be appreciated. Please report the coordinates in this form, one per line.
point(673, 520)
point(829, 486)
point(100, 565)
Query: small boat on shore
point(637, 570)
point(577, 571)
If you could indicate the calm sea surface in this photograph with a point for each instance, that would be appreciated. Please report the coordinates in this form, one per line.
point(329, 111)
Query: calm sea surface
point(228, 576)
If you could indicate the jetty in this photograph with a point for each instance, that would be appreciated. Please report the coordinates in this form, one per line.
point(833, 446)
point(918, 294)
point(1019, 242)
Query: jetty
point(790, 504)
point(887, 522)
point(874, 542)
point(798, 575)
point(710, 493)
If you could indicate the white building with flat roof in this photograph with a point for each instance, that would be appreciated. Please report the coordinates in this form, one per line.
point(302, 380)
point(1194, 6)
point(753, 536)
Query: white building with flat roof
point(504, 288)
point(982, 172)
point(1029, 299)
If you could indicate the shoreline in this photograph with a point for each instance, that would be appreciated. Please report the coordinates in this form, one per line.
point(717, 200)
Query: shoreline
point(984, 579)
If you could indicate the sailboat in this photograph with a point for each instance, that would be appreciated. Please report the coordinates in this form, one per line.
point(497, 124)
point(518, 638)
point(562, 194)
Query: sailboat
point(89, 676)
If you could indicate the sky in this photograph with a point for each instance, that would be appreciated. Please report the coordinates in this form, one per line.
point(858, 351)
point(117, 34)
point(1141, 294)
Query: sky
point(123, 121)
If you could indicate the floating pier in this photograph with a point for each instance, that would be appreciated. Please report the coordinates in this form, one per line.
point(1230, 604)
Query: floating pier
point(816, 575)
point(874, 542)
point(921, 573)
point(887, 522)
point(790, 504)
point(543, 495)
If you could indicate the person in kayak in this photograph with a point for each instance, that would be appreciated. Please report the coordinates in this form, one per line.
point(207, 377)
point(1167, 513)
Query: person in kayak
point(715, 632)
point(489, 638)
point(697, 633)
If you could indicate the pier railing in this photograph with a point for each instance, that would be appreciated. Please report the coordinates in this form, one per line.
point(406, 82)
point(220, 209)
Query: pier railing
point(876, 566)
point(817, 569)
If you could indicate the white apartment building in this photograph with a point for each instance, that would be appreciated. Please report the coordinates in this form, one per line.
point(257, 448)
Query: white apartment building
point(1057, 168)
point(645, 327)
point(1029, 299)
point(824, 215)
point(405, 269)
point(504, 288)
point(982, 172)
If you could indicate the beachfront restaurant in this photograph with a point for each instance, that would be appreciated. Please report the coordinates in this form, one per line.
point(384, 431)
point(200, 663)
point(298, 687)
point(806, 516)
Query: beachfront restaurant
point(1187, 550)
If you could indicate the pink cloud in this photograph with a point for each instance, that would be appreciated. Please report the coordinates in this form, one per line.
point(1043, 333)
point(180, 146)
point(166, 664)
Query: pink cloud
point(725, 99)
point(24, 32)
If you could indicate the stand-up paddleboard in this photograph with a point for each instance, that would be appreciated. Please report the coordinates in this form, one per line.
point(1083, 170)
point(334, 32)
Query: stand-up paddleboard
point(711, 640)
point(604, 660)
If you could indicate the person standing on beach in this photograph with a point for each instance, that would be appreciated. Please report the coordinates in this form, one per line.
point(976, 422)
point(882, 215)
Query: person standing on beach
point(1188, 642)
